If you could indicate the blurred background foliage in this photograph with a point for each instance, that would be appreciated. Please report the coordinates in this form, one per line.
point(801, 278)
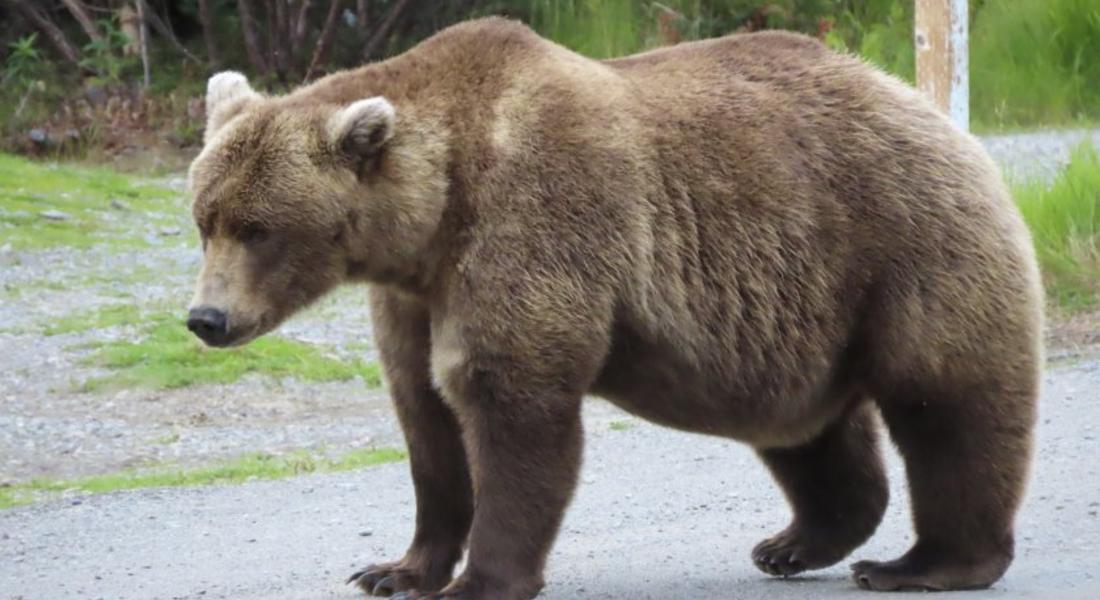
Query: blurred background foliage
point(76, 75)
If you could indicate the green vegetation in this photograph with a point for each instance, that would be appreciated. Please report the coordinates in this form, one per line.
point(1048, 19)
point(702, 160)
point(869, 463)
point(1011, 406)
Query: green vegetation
point(45, 205)
point(1035, 62)
point(600, 29)
point(246, 468)
point(101, 318)
point(168, 356)
point(1032, 62)
point(621, 425)
point(1064, 219)
point(881, 31)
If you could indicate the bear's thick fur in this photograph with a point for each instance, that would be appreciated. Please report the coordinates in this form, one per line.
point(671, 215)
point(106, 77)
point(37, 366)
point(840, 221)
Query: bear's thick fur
point(752, 237)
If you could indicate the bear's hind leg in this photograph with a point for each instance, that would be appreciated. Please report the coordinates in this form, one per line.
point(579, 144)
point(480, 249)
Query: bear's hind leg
point(966, 455)
point(837, 489)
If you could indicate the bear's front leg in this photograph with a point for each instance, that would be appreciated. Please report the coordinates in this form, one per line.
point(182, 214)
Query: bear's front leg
point(523, 438)
point(444, 502)
point(444, 495)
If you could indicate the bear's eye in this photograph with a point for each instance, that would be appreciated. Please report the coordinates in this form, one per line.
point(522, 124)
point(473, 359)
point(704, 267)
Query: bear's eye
point(253, 234)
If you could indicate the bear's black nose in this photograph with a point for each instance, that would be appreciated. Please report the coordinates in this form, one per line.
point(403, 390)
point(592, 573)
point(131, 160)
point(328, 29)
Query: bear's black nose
point(207, 323)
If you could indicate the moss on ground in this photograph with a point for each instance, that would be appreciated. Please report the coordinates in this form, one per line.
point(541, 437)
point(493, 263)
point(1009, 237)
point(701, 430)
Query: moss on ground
point(245, 468)
point(48, 205)
point(168, 356)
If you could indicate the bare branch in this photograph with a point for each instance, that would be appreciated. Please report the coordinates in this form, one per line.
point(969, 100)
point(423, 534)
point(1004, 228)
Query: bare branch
point(49, 30)
point(299, 28)
point(86, 22)
point(382, 34)
point(327, 33)
point(162, 28)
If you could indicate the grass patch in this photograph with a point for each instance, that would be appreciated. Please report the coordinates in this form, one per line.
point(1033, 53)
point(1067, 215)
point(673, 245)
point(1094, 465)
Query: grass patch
point(1064, 218)
point(168, 356)
point(621, 425)
point(600, 29)
point(246, 468)
point(101, 318)
point(83, 198)
point(1035, 62)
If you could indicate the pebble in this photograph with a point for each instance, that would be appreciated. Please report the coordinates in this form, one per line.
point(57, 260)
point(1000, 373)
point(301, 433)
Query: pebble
point(54, 215)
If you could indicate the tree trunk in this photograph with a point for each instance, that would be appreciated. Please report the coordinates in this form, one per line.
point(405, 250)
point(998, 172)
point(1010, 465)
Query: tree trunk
point(382, 34)
point(362, 15)
point(49, 30)
point(143, 40)
point(299, 29)
point(251, 38)
point(86, 22)
point(209, 35)
point(279, 36)
point(327, 33)
point(940, 36)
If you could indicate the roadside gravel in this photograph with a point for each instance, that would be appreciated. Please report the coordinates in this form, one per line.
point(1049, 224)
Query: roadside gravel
point(659, 514)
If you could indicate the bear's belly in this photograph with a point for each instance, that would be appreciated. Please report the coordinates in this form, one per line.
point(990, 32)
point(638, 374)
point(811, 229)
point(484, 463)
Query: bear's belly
point(655, 386)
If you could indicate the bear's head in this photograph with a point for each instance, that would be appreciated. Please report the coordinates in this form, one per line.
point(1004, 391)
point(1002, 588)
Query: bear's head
point(293, 197)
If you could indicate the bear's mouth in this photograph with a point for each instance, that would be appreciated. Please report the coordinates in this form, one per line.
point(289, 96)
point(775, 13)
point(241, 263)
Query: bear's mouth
point(239, 334)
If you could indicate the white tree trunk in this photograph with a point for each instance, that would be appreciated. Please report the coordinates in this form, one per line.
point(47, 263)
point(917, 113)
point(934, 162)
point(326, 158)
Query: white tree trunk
point(941, 40)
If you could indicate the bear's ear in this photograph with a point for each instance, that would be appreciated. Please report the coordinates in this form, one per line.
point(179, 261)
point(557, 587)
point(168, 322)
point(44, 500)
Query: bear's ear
point(227, 94)
point(362, 127)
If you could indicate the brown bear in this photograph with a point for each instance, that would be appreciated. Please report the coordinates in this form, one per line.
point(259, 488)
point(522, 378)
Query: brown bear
point(751, 237)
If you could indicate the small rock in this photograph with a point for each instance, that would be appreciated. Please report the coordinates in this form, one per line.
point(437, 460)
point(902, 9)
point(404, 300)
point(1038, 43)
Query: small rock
point(77, 502)
point(366, 533)
point(54, 215)
point(119, 204)
point(166, 231)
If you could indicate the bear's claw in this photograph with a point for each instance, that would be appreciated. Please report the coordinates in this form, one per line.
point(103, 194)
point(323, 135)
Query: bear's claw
point(376, 580)
point(384, 587)
point(795, 550)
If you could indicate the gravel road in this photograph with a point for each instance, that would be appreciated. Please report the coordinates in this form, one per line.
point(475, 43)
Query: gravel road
point(659, 514)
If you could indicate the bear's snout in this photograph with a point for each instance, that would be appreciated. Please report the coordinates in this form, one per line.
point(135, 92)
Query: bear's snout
point(210, 324)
